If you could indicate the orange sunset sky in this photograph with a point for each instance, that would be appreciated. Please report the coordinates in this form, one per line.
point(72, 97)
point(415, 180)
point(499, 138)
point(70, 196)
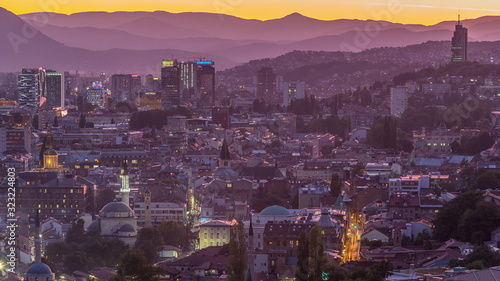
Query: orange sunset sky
point(403, 11)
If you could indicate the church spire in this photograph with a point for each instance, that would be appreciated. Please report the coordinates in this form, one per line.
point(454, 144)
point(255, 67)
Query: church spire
point(224, 152)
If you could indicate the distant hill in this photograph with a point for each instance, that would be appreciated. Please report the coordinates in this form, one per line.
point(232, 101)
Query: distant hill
point(241, 40)
point(27, 47)
point(328, 73)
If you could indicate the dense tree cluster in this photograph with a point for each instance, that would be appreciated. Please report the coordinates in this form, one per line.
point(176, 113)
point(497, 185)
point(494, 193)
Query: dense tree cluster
point(103, 197)
point(83, 252)
point(473, 145)
point(155, 118)
point(134, 266)
point(237, 265)
point(383, 133)
point(467, 218)
point(482, 257)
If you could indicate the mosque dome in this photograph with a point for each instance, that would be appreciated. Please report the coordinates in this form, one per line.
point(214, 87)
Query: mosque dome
point(94, 226)
point(116, 210)
point(39, 269)
point(275, 211)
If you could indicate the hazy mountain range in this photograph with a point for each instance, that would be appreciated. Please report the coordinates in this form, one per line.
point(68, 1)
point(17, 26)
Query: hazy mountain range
point(137, 41)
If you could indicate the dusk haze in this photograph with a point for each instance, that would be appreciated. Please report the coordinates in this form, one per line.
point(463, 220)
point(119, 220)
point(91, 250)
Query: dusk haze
point(250, 140)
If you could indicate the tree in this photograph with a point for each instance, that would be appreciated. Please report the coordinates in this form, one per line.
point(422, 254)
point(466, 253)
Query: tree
point(336, 272)
point(448, 218)
point(237, 264)
point(173, 233)
point(55, 123)
point(276, 144)
point(483, 256)
point(34, 122)
point(113, 121)
point(327, 149)
point(302, 272)
point(335, 185)
point(150, 241)
point(55, 252)
point(134, 266)
point(76, 234)
point(317, 257)
point(103, 197)
point(77, 261)
point(487, 180)
point(465, 215)
point(266, 200)
point(82, 122)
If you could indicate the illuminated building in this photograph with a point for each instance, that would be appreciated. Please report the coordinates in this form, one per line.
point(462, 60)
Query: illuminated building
point(215, 233)
point(399, 101)
point(97, 95)
point(63, 197)
point(220, 116)
point(6, 106)
point(136, 82)
point(31, 86)
point(170, 83)
point(15, 139)
point(176, 137)
point(266, 84)
point(149, 100)
point(188, 80)
point(55, 89)
point(459, 43)
point(121, 86)
point(293, 90)
point(205, 83)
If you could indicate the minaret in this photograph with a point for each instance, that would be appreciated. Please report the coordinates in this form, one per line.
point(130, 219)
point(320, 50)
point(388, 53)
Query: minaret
point(147, 209)
point(251, 252)
point(38, 239)
point(125, 185)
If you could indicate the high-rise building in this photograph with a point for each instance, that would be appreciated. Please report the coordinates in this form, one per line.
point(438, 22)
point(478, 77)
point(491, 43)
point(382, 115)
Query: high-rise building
point(293, 90)
point(136, 83)
point(121, 86)
point(266, 84)
point(459, 43)
point(221, 116)
point(55, 89)
point(170, 83)
point(15, 139)
point(97, 95)
point(32, 88)
point(205, 83)
point(188, 81)
point(399, 101)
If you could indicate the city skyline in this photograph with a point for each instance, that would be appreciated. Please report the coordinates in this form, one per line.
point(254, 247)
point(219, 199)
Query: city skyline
point(402, 11)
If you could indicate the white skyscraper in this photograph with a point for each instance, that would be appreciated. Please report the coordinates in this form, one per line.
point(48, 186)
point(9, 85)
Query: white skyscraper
point(293, 90)
point(399, 101)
